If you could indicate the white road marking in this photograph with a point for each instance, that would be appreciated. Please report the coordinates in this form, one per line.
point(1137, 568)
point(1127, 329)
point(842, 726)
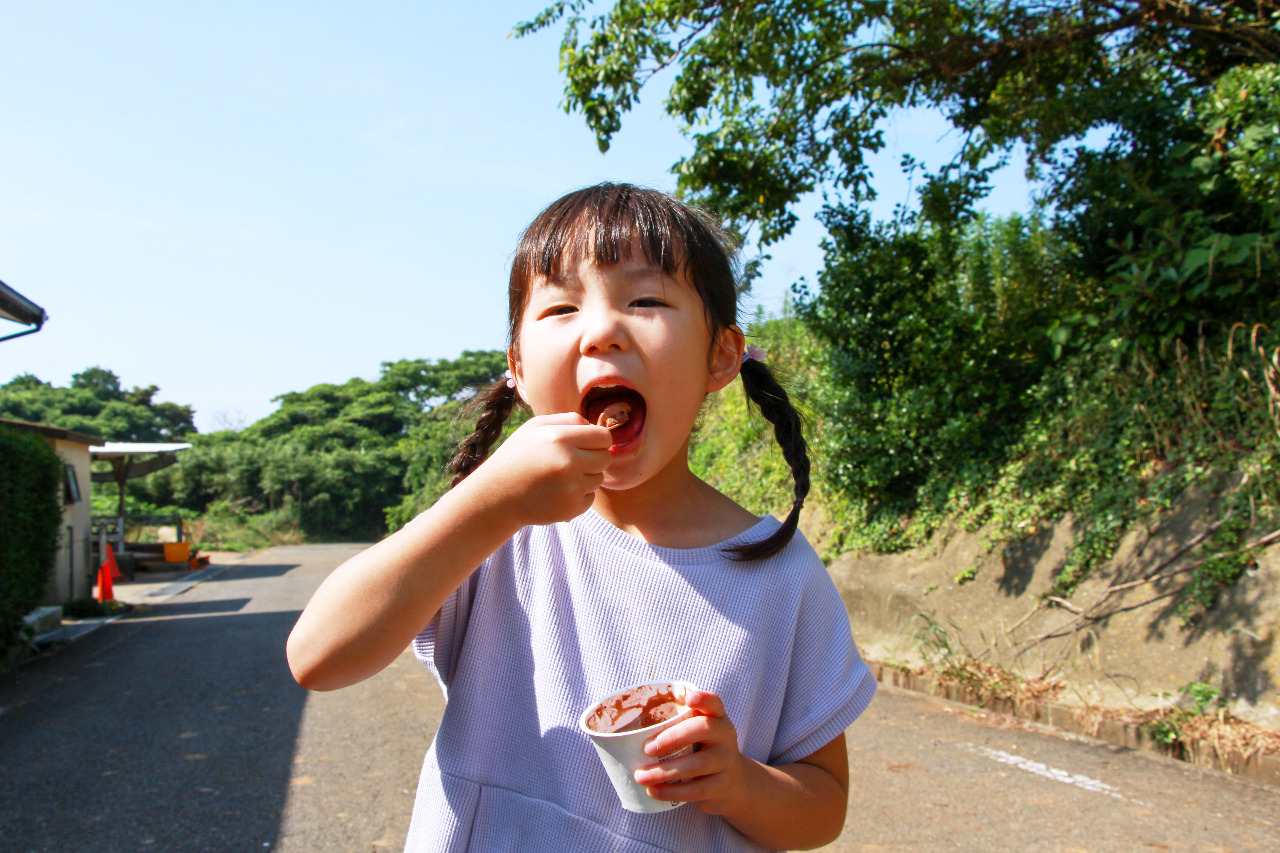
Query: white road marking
point(1039, 768)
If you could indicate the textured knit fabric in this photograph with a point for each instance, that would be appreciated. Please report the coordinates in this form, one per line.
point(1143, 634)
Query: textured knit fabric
point(566, 614)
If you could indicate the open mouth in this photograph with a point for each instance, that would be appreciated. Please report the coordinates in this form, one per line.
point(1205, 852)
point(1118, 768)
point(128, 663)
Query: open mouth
point(623, 411)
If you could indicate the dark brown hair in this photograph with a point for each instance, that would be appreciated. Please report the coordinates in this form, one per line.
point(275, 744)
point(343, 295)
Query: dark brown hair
point(603, 224)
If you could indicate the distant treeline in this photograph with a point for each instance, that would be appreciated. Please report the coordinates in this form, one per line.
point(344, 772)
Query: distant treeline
point(338, 462)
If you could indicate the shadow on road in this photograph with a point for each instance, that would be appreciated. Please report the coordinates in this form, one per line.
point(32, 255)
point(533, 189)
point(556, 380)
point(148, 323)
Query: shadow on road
point(155, 733)
point(169, 609)
point(254, 571)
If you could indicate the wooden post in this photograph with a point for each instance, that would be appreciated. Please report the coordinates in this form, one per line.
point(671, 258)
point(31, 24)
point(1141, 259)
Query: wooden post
point(121, 468)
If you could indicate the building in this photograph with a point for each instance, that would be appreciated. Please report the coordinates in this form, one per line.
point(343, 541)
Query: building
point(19, 309)
point(73, 574)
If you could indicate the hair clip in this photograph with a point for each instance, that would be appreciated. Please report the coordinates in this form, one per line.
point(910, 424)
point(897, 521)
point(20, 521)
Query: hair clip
point(511, 380)
point(754, 353)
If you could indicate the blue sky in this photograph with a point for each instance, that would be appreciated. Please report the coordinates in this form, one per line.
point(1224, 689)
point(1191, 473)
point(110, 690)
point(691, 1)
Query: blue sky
point(236, 200)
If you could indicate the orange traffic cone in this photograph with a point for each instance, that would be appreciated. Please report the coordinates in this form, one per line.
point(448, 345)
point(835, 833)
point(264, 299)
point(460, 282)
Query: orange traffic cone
point(105, 593)
point(111, 561)
point(106, 574)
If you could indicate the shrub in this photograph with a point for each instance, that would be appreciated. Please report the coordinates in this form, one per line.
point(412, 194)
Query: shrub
point(30, 516)
point(931, 339)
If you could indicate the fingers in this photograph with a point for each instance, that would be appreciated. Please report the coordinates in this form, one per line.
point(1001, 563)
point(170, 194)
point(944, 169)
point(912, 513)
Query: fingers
point(706, 706)
point(706, 776)
point(695, 730)
point(578, 430)
point(560, 419)
point(705, 703)
point(686, 767)
point(549, 469)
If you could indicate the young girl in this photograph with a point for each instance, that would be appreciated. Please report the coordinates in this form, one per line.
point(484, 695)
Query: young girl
point(577, 560)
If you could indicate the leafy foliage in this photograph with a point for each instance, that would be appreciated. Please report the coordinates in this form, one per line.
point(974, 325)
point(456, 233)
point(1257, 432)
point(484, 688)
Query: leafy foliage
point(96, 404)
point(1172, 224)
point(933, 341)
point(332, 462)
point(1168, 725)
point(733, 448)
point(30, 515)
point(1230, 559)
point(783, 96)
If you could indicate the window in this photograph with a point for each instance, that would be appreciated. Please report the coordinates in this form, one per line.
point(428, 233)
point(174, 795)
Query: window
point(71, 490)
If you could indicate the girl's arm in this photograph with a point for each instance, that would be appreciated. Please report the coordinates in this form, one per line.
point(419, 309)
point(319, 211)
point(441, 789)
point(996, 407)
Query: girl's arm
point(796, 806)
point(372, 606)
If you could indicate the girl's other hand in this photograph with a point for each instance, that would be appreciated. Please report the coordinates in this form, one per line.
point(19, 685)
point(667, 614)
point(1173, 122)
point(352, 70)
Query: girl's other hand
point(549, 469)
point(714, 777)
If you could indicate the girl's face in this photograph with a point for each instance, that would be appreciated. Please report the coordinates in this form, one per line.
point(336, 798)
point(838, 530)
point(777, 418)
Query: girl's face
point(626, 333)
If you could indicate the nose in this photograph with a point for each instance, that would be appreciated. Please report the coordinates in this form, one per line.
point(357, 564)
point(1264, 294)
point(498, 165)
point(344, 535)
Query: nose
point(603, 331)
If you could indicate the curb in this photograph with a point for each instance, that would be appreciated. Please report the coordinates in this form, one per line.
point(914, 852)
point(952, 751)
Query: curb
point(69, 633)
point(180, 586)
point(1089, 722)
point(73, 631)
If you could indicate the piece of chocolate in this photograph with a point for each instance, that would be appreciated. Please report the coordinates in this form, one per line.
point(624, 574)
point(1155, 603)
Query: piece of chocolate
point(614, 415)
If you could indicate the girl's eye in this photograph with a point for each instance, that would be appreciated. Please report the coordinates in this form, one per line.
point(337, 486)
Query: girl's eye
point(649, 302)
point(559, 310)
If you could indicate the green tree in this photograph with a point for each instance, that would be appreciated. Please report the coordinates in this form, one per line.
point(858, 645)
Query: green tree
point(784, 97)
point(95, 403)
point(930, 347)
point(344, 460)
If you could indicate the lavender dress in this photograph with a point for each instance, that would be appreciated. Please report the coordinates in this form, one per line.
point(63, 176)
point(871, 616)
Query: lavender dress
point(565, 614)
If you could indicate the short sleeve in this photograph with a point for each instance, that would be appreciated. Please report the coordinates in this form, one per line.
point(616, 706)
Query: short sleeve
point(440, 643)
point(828, 683)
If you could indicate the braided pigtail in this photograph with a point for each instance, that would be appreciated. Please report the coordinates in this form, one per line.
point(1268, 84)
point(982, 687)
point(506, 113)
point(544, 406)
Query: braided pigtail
point(494, 404)
point(763, 390)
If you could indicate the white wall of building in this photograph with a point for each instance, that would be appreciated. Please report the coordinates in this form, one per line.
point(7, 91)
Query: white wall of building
point(72, 574)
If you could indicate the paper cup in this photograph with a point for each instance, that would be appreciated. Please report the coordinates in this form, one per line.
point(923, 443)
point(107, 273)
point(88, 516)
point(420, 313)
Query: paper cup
point(622, 752)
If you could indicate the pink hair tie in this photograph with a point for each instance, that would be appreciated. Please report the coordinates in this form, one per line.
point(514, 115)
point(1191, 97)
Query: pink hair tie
point(511, 380)
point(754, 353)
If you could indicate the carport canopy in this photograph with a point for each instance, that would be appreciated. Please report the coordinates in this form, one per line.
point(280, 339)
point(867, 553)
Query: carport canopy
point(130, 460)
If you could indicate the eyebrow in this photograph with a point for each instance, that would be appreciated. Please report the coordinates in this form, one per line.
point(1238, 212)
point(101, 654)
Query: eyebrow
point(570, 282)
point(556, 283)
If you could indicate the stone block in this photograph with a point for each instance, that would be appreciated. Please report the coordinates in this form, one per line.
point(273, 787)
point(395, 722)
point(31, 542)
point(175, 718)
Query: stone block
point(42, 620)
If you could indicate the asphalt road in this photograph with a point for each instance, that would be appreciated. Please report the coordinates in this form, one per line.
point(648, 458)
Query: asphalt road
point(180, 729)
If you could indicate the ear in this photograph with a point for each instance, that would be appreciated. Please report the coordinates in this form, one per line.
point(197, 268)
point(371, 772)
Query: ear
point(513, 365)
point(726, 358)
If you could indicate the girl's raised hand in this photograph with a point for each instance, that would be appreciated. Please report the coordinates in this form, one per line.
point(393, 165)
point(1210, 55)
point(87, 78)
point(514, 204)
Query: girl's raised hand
point(549, 469)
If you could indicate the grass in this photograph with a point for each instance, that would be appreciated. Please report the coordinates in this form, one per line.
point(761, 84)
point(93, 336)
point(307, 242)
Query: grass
point(1198, 716)
point(228, 527)
point(91, 608)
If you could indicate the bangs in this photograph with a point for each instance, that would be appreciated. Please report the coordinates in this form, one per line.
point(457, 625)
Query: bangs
point(604, 225)
point(607, 223)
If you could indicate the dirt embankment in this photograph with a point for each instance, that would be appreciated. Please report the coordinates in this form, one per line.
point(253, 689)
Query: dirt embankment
point(1119, 641)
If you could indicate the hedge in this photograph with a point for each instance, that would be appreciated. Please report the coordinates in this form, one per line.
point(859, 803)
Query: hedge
point(30, 517)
